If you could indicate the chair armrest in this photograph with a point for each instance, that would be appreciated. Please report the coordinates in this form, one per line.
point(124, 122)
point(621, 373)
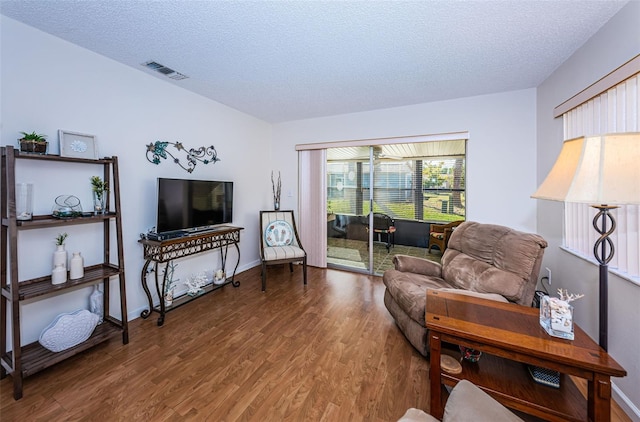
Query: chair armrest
point(412, 264)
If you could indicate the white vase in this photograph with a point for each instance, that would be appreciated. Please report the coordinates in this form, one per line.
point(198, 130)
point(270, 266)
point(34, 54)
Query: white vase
point(76, 266)
point(59, 274)
point(60, 256)
point(168, 297)
point(96, 303)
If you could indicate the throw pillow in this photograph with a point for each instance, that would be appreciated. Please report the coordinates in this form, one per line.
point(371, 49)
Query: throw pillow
point(278, 233)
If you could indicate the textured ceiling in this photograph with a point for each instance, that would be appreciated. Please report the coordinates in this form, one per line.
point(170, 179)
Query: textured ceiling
point(289, 60)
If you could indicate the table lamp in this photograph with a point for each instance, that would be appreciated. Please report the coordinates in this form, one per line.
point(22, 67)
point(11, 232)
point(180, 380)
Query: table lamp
point(603, 171)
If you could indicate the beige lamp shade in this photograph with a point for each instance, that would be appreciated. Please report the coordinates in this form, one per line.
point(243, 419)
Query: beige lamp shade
point(596, 170)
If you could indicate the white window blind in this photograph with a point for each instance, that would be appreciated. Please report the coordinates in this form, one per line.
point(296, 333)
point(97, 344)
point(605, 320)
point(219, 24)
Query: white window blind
point(613, 111)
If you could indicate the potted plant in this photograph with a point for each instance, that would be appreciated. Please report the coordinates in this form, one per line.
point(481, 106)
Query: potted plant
point(99, 188)
point(33, 142)
point(60, 238)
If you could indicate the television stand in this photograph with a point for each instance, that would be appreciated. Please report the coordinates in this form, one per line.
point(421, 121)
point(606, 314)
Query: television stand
point(157, 252)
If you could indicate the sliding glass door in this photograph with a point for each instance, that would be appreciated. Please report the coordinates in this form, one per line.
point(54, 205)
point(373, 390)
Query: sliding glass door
point(381, 200)
point(348, 204)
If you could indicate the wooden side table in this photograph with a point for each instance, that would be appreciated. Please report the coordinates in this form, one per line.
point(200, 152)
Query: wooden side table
point(510, 337)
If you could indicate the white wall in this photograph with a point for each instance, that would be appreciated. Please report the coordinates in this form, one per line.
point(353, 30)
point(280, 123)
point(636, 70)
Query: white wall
point(500, 153)
point(49, 84)
point(616, 43)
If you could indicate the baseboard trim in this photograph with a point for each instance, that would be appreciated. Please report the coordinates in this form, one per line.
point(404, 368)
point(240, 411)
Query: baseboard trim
point(625, 403)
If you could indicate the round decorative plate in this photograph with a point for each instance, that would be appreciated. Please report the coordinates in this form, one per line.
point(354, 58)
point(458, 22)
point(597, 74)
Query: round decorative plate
point(278, 233)
point(450, 365)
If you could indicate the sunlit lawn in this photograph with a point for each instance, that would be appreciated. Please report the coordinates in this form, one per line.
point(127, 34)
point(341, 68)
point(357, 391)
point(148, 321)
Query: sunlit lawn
point(403, 210)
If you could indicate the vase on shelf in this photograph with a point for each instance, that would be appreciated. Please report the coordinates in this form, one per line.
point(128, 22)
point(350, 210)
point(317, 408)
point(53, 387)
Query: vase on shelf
point(168, 297)
point(276, 206)
point(96, 303)
point(24, 201)
point(76, 266)
point(99, 202)
point(59, 274)
point(60, 257)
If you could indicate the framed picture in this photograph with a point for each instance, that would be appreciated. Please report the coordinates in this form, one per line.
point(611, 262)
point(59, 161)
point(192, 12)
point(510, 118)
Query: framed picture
point(77, 145)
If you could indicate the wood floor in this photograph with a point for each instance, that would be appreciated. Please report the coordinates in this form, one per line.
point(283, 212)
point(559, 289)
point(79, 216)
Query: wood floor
point(325, 352)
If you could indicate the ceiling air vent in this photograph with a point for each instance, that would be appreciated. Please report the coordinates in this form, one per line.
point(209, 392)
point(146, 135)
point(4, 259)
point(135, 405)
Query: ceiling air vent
point(167, 71)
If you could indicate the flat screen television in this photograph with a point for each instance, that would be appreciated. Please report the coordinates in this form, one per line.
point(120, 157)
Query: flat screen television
point(193, 205)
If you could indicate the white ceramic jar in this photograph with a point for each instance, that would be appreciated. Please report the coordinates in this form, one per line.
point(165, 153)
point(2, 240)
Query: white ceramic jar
point(59, 274)
point(76, 266)
point(60, 256)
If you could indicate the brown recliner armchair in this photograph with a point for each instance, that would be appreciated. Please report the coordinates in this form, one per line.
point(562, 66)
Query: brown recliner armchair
point(481, 259)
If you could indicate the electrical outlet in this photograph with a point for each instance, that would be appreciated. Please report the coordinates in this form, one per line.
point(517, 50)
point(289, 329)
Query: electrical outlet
point(548, 275)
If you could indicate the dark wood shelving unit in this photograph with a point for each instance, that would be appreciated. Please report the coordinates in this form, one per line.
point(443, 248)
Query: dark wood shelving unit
point(32, 358)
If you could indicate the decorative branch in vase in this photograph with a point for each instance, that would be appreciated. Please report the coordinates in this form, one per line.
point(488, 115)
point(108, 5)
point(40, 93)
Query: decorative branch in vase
point(277, 188)
point(556, 314)
point(169, 288)
point(99, 188)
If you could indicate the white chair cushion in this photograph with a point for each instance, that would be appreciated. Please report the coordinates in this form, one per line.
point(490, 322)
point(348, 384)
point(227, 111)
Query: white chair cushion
point(467, 402)
point(417, 415)
point(282, 252)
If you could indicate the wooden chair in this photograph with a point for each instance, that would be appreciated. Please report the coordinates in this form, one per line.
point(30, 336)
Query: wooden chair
point(439, 234)
point(279, 242)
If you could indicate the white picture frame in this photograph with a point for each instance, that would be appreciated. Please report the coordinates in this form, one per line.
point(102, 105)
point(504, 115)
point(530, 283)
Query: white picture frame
point(77, 145)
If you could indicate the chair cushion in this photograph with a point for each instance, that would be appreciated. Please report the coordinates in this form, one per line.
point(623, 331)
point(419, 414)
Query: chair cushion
point(278, 233)
point(467, 402)
point(275, 253)
point(437, 235)
point(417, 415)
point(468, 273)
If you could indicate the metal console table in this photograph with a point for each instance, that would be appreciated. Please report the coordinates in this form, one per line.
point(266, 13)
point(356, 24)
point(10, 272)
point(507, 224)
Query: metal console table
point(164, 251)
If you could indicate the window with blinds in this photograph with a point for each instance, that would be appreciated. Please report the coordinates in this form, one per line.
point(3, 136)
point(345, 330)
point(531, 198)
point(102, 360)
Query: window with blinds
point(613, 111)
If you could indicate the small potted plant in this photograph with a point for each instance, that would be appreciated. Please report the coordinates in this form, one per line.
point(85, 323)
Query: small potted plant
point(99, 188)
point(33, 142)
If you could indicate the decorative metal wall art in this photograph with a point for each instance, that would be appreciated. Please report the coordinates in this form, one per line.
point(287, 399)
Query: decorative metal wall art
point(205, 155)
